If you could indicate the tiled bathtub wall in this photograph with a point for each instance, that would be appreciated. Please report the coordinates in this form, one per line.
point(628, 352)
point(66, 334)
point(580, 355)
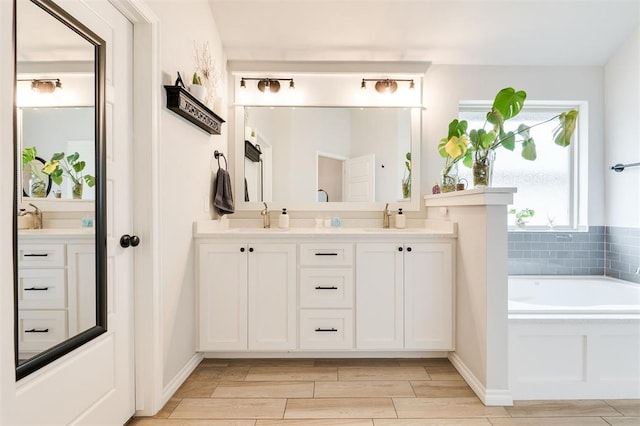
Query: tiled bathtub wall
point(557, 253)
point(612, 251)
point(622, 255)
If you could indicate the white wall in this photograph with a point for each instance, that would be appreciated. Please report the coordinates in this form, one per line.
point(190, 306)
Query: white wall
point(622, 118)
point(186, 168)
point(446, 85)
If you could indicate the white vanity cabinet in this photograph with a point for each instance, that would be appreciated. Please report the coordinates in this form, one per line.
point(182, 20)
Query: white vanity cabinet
point(247, 296)
point(56, 289)
point(307, 290)
point(404, 295)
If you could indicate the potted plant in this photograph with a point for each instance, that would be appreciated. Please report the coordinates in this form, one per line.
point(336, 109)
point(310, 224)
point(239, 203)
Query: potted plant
point(452, 148)
point(406, 179)
point(38, 180)
point(72, 166)
point(522, 216)
point(197, 89)
point(482, 143)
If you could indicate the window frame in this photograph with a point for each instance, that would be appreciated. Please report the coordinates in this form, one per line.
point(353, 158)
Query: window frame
point(578, 186)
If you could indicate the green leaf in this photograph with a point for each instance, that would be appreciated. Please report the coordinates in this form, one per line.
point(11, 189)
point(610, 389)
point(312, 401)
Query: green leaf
point(56, 176)
point(71, 159)
point(441, 145)
point(79, 166)
point(468, 159)
point(486, 139)
point(508, 140)
point(567, 126)
point(529, 149)
point(57, 156)
point(508, 102)
point(496, 118)
point(457, 128)
point(28, 155)
point(475, 137)
point(91, 181)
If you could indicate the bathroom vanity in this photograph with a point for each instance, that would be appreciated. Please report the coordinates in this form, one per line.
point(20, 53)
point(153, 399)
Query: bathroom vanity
point(56, 272)
point(325, 290)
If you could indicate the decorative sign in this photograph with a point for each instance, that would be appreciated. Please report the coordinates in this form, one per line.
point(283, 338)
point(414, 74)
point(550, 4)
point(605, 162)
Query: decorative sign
point(186, 105)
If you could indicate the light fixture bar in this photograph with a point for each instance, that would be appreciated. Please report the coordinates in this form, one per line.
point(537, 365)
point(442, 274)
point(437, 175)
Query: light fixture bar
point(267, 84)
point(44, 85)
point(387, 85)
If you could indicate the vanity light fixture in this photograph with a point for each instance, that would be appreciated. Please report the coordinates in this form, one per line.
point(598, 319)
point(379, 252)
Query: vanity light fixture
point(45, 85)
point(267, 84)
point(386, 85)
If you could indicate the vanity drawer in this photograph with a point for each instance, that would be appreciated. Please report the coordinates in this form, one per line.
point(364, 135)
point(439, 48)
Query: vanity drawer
point(326, 254)
point(329, 329)
point(41, 255)
point(39, 330)
point(326, 288)
point(41, 289)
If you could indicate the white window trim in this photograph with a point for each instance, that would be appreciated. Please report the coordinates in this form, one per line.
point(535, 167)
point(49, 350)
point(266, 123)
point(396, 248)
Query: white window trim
point(579, 191)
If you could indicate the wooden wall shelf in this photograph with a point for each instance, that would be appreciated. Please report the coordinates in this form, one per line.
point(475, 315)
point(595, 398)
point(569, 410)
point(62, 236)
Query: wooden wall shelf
point(189, 107)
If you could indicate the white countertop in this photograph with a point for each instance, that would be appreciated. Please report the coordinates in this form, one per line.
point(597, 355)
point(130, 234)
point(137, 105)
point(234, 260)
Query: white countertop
point(57, 232)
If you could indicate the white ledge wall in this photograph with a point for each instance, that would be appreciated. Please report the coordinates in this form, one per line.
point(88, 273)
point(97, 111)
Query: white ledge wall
point(481, 354)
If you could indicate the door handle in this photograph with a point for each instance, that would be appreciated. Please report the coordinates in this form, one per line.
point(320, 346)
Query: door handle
point(129, 241)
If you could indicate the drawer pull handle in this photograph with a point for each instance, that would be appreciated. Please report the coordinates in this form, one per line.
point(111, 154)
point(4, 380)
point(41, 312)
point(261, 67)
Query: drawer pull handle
point(326, 288)
point(330, 330)
point(36, 289)
point(35, 330)
point(36, 254)
point(326, 254)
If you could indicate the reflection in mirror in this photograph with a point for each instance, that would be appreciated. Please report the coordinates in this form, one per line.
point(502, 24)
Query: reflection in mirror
point(351, 154)
point(60, 277)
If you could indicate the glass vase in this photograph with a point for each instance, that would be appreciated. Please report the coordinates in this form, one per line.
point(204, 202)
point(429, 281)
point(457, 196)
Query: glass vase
point(37, 187)
point(483, 167)
point(76, 191)
point(449, 178)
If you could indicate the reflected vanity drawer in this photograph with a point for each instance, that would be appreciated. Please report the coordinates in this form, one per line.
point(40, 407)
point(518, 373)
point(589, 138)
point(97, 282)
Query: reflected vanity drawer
point(326, 288)
point(39, 330)
point(326, 254)
point(41, 255)
point(329, 329)
point(41, 289)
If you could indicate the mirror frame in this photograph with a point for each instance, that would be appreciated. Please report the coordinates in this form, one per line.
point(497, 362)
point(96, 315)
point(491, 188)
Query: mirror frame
point(237, 153)
point(46, 357)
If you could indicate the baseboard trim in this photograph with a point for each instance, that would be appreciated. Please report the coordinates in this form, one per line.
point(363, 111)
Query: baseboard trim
point(179, 378)
point(325, 354)
point(489, 397)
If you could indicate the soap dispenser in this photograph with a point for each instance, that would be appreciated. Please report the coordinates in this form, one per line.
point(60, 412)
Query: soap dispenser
point(401, 220)
point(283, 220)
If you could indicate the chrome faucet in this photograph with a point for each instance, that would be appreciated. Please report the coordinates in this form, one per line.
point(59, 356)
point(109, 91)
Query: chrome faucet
point(386, 214)
point(266, 221)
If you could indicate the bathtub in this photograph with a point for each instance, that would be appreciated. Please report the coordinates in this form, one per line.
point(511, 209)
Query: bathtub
point(573, 338)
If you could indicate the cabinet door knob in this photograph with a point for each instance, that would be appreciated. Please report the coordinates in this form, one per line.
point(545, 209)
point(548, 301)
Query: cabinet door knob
point(399, 248)
point(241, 249)
point(250, 249)
point(408, 248)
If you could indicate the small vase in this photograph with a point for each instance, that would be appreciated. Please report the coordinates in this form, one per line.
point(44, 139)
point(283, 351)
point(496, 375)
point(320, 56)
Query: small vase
point(483, 167)
point(200, 92)
point(449, 178)
point(406, 189)
point(77, 191)
point(37, 187)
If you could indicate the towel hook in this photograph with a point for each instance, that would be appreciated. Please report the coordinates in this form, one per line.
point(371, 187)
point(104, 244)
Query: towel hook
point(217, 154)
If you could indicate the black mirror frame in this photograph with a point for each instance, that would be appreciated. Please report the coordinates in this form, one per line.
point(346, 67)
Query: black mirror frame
point(63, 348)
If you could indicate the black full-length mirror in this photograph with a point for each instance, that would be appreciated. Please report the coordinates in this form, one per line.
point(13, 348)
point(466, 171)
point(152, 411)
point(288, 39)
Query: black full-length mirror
point(59, 223)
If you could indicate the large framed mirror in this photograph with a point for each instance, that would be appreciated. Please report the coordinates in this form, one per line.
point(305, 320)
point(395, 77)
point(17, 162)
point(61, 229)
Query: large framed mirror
point(327, 158)
point(60, 233)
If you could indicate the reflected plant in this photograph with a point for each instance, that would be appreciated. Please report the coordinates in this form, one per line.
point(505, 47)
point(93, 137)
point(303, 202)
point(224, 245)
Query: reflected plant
point(406, 179)
point(70, 165)
point(522, 216)
point(38, 181)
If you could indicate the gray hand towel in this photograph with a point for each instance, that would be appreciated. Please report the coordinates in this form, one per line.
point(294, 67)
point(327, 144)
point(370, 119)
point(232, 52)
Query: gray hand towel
point(222, 196)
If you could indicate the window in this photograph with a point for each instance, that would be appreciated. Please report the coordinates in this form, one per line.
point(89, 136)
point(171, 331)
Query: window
point(548, 185)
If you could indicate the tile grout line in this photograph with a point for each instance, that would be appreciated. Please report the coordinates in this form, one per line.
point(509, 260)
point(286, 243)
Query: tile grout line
point(621, 413)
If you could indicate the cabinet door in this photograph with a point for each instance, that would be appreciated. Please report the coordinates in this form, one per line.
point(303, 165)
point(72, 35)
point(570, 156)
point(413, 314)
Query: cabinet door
point(379, 296)
point(222, 286)
point(428, 296)
point(272, 296)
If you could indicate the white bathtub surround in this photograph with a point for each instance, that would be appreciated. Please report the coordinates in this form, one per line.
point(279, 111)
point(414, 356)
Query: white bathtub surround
point(481, 354)
point(574, 338)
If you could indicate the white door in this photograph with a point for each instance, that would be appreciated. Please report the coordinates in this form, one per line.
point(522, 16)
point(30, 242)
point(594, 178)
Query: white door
point(379, 296)
point(428, 296)
point(222, 301)
point(272, 296)
point(359, 178)
point(94, 384)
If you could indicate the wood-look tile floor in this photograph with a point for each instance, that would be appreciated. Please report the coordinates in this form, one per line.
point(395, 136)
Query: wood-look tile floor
point(360, 392)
